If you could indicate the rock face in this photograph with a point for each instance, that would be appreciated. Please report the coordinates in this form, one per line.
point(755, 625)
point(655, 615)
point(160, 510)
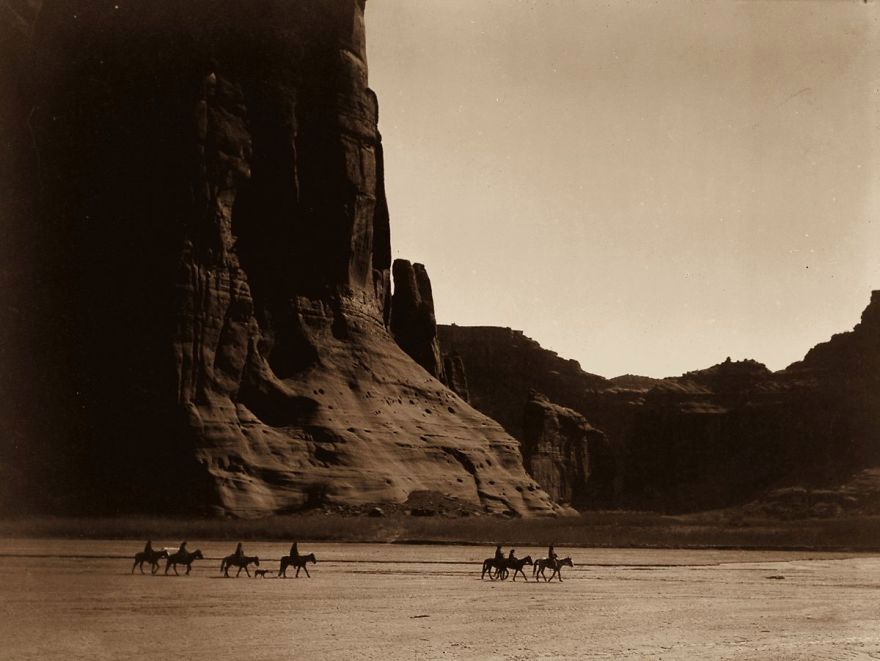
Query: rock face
point(213, 266)
point(503, 367)
point(412, 316)
point(714, 437)
point(570, 459)
point(456, 376)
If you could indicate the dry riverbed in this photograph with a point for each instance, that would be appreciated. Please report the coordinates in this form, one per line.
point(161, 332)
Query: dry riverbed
point(75, 599)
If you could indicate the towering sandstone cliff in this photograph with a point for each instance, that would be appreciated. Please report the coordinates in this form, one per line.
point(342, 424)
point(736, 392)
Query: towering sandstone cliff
point(212, 263)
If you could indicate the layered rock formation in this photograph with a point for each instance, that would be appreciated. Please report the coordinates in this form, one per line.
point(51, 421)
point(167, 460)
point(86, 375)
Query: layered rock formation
point(214, 271)
point(570, 459)
point(713, 437)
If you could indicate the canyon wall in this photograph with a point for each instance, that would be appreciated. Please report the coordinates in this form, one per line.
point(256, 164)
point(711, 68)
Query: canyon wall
point(709, 438)
point(206, 228)
point(569, 458)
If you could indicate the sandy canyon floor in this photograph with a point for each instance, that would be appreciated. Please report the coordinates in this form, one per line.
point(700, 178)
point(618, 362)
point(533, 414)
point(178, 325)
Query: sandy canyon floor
point(77, 600)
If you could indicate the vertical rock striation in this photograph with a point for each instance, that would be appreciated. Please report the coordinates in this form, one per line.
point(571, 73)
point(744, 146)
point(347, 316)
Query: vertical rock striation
point(412, 316)
point(215, 258)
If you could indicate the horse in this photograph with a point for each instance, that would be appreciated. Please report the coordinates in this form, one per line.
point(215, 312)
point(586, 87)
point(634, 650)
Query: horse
point(298, 561)
point(500, 567)
point(182, 558)
point(517, 565)
point(241, 562)
point(542, 563)
point(152, 557)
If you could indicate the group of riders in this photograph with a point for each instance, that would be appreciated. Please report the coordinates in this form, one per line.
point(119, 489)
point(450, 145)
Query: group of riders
point(511, 557)
point(500, 567)
point(237, 558)
point(238, 554)
point(497, 567)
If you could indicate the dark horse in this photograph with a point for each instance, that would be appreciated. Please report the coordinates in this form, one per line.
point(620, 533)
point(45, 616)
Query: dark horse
point(182, 558)
point(241, 562)
point(517, 566)
point(298, 561)
point(542, 563)
point(495, 568)
point(151, 556)
point(501, 568)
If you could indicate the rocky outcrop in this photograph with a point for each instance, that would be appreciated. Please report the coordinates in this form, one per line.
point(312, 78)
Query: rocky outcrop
point(714, 437)
point(570, 459)
point(504, 366)
point(456, 376)
point(214, 260)
point(634, 382)
point(412, 316)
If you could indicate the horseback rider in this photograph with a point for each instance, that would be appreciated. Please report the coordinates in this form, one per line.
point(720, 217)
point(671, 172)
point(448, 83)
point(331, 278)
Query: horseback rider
point(148, 547)
point(239, 552)
point(499, 554)
point(551, 554)
point(182, 548)
point(294, 552)
point(510, 556)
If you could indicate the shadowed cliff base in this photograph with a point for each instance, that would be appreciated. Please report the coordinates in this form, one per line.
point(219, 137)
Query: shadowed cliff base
point(734, 528)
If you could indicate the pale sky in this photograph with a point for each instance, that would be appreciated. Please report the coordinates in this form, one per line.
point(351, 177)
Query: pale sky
point(645, 187)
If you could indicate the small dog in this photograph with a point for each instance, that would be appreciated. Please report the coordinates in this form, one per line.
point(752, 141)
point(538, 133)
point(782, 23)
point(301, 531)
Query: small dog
point(260, 572)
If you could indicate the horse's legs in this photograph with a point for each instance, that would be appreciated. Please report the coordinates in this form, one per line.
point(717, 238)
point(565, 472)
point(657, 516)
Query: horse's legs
point(189, 568)
point(307, 572)
point(134, 565)
point(175, 569)
point(238, 572)
point(155, 568)
point(246, 571)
